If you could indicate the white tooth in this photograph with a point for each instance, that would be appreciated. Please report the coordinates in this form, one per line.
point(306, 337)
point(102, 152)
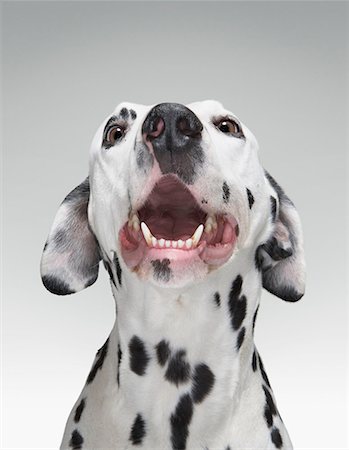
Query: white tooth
point(154, 241)
point(167, 244)
point(146, 233)
point(135, 222)
point(161, 242)
point(189, 243)
point(180, 243)
point(210, 224)
point(197, 235)
point(174, 244)
point(208, 228)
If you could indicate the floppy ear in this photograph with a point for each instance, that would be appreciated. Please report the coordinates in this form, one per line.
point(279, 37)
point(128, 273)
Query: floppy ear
point(71, 254)
point(281, 258)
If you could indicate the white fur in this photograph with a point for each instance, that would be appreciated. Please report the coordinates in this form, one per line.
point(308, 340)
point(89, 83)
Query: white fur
point(184, 314)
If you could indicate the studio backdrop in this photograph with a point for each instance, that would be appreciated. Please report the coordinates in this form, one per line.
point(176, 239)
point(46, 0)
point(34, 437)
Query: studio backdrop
point(279, 66)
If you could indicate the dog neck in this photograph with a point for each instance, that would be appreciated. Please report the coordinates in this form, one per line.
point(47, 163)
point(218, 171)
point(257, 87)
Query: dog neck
point(197, 340)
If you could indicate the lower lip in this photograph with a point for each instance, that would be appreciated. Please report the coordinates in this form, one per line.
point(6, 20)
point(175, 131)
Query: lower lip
point(135, 253)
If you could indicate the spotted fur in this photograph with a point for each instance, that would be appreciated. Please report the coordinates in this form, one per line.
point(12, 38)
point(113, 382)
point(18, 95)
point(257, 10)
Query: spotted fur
point(162, 270)
point(180, 369)
point(139, 358)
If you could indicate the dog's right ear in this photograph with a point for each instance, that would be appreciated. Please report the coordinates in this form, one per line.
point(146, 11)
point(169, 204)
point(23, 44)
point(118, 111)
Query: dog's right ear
point(71, 254)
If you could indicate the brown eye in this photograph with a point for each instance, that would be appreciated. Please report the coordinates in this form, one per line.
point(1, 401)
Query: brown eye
point(115, 134)
point(229, 126)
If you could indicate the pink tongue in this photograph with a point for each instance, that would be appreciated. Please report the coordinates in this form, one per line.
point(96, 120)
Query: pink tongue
point(164, 224)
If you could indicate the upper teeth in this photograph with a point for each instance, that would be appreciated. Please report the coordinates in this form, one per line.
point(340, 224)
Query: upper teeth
point(192, 242)
point(147, 234)
point(210, 224)
point(151, 240)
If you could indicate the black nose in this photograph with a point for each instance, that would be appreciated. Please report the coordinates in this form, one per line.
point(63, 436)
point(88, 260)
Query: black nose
point(174, 133)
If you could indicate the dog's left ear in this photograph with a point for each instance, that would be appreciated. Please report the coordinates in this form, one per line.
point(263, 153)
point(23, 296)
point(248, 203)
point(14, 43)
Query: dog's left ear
point(71, 254)
point(281, 258)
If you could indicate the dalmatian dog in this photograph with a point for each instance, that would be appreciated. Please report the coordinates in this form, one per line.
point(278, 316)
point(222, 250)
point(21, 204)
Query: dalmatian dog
point(190, 227)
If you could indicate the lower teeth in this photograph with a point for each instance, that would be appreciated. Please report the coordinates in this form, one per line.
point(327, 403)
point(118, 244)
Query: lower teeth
point(189, 243)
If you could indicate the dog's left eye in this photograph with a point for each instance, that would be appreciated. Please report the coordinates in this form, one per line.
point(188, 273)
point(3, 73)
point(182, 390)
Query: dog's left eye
point(229, 126)
point(115, 133)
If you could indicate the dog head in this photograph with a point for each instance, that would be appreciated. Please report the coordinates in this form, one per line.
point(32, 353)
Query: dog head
point(175, 192)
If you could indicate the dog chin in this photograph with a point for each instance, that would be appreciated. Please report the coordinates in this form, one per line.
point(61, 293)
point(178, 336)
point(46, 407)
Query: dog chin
point(174, 267)
point(172, 273)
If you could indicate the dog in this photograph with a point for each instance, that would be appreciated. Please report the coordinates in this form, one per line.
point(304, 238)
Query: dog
point(190, 227)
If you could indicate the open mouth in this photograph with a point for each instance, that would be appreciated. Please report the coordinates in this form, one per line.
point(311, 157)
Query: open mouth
point(171, 224)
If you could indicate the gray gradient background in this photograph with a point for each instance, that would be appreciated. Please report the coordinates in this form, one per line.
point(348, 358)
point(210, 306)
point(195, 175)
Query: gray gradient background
point(281, 68)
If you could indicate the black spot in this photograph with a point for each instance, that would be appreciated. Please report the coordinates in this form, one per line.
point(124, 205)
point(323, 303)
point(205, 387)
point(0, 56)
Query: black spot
point(270, 401)
point(101, 354)
point(138, 430)
point(76, 440)
point(228, 448)
point(178, 369)
point(124, 113)
point(204, 201)
point(280, 192)
point(110, 272)
point(235, 290)
point(119, 362)
point(180, 421)
point(56, 286)
point(254, 361)
point(254, 318)
point(268, 416)
point(274, 250)
point(273, 206)
point(45, 246)
point(162, 272)
point(217, 299)
point(133, 114)
point(277, 253)
point(163, 352)
point(258, 258)
point(226, 192)
point(250, 198)
point(138, 356)
point(203, 381)
point(237, 305)
point(117, 268)
point(276, 438)
point(264, 375)
point(239, 312)
point(241, 337)
point(79, 410)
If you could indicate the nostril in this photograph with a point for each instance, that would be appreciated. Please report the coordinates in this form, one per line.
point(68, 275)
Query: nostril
point(188, 128)
point(156, 128)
